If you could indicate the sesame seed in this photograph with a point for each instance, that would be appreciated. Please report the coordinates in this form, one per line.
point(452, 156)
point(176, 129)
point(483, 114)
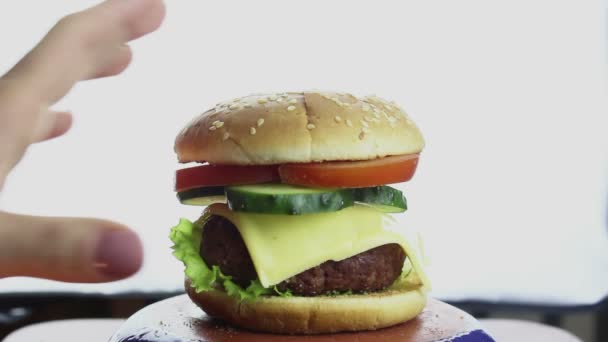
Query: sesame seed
point(285, 95)
point(272, 98)
point(365, 124)
point(339, 103)
point(310, 126)
point(377, 115)
point(215, 122)
point(291, 108)
point(234, 106)
point(252, 130)
point(365, 129)
point(279, 100)
point(365, 107)
point(212, 128)
point(260, 122)
point(262, 100)
point(293, 101)
point(226, 136)
point(247, 105)
point(391, 119)
point(367, 118)
point(218, 124)
point(337, 118)
point(349, 123)
point(388, 107)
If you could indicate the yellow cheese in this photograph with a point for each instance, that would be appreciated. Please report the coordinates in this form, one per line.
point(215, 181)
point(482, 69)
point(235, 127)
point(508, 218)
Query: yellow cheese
point(282, 246)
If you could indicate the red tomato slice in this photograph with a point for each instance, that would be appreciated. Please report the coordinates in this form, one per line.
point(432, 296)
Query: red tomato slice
point(351, 174)
point(218, 175)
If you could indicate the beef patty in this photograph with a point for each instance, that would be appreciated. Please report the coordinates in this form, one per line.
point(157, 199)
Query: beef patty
point(372, 270)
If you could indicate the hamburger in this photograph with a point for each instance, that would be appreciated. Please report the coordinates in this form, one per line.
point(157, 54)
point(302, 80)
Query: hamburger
point(299, 234)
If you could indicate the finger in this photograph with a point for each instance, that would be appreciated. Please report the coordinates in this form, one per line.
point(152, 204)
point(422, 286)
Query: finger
point(52, 124)
point(15, 133)
point(117, 64)
point(67, 249)
point(84, 45)
point(139, 17)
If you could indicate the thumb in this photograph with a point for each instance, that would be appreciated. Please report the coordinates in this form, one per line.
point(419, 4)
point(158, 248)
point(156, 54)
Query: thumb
point(67, 249)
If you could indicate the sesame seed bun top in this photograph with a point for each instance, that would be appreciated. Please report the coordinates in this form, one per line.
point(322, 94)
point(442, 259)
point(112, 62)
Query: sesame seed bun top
point(298, 128)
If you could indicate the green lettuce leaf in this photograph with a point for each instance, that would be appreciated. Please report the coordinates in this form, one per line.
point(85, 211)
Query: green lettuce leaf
point(286, 293)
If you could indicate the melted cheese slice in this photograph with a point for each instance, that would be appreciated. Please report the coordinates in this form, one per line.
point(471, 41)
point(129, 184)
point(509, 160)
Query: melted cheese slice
point(282, 246)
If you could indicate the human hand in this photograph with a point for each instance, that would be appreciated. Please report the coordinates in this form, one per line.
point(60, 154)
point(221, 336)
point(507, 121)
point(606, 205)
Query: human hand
point(82, 46)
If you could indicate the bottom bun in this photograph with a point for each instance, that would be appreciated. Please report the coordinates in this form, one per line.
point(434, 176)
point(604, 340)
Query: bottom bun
point(313, 315)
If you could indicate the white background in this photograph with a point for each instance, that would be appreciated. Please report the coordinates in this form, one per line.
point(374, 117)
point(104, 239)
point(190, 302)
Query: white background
point(511, 193)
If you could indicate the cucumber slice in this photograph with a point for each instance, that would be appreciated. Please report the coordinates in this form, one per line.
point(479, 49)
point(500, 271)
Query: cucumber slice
point(385, 198)
point(287, 199)
point(202, 196)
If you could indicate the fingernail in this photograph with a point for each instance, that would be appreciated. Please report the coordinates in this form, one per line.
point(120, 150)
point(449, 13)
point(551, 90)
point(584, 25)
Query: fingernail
point(119, 253)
